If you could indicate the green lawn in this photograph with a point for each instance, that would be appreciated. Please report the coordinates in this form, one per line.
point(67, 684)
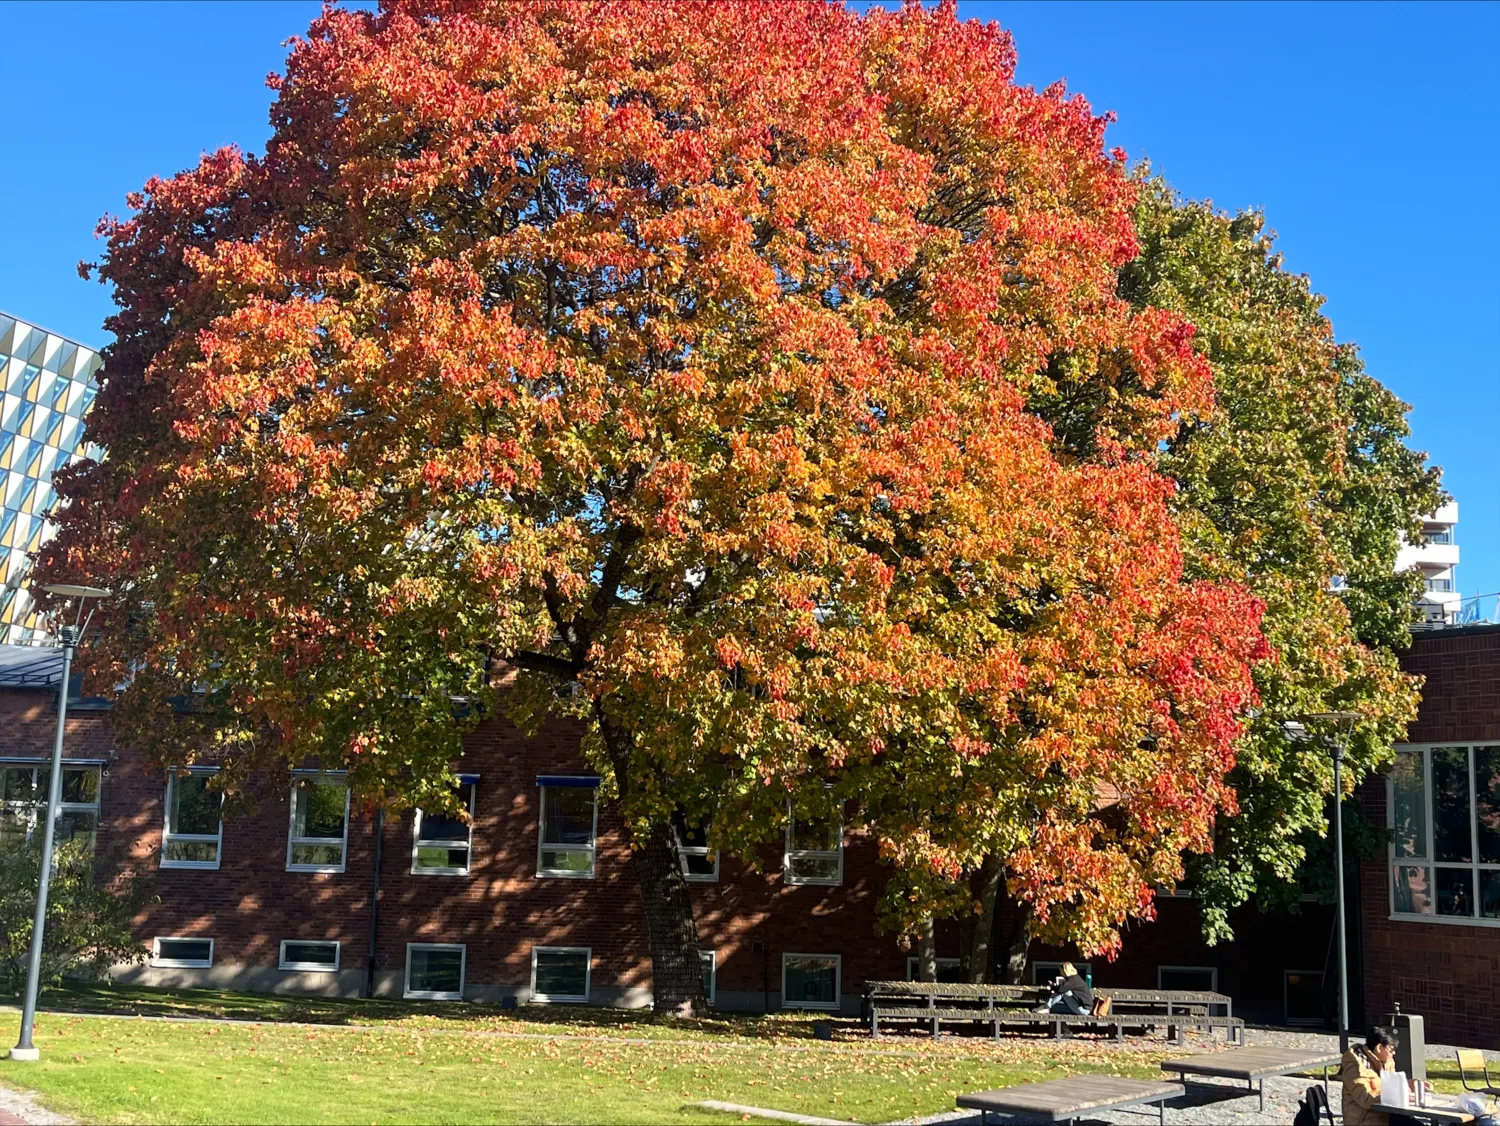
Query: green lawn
point(393, 1062)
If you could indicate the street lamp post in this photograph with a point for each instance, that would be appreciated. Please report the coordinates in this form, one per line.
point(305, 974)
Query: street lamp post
point(1342, 723)
point(69, 636)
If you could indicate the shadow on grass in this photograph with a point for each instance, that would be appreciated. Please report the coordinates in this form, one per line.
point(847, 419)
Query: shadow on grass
point(216, 1004)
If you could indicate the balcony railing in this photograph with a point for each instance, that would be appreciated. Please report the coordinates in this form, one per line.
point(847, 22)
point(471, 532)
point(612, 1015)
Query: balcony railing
point(1444, 586)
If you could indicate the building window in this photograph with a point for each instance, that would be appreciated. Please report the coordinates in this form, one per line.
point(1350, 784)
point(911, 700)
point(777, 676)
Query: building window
point(569, 824)
point(814, 851)
point(443, 842)
point(319, 836)
point(23, 803)
point(435, 971)
point(708, 961)
point(1439, 536)
point(1443, 586)
point(317, 957)
point(1196, 979)
point(949, 970)
point(700, 864)
point(194, 834)
point(1303, 996)
point(182, 953)
point(1445, 834)
point(810, 981)
point(560, 973)
point(1045, 973)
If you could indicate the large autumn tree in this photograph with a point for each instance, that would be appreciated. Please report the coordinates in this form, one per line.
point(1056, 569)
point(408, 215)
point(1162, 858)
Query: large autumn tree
point(679, 359)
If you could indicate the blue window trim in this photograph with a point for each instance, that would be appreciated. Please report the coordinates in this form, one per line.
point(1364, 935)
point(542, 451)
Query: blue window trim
point(576, 781)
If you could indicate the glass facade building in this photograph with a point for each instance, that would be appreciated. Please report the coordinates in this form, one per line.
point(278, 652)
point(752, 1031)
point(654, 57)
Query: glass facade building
point(47, 382)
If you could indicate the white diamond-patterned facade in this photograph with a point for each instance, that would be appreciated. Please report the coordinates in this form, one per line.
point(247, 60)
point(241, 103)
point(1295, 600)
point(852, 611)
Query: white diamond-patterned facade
point(47, 383)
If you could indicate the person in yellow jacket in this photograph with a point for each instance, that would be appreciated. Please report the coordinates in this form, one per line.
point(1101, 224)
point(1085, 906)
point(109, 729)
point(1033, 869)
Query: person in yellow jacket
point(1360, 1074)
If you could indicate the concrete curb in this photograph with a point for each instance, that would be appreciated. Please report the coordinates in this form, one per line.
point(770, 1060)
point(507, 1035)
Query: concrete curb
point(774, 1115)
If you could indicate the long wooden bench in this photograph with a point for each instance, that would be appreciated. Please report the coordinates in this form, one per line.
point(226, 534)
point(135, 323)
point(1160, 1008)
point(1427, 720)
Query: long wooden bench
point(1024, 1020)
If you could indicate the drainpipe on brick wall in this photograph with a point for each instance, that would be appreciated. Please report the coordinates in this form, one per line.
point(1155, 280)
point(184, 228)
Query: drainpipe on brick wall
point(374, 904)
point(765, 966)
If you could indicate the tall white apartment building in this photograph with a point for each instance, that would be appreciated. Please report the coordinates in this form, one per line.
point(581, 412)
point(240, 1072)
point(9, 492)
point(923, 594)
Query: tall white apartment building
point(1437, 558)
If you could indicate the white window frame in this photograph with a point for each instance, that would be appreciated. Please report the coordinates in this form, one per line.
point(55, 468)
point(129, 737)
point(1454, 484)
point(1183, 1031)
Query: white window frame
point(1054, 970)
point(292, 840)
point(166, 830)
point(686, 850)
point(418, 843)
point(914, 965)
point(1429, 860)
point(311, 967)
point(565, 999)
point(181, 963)
point(36, 811)
point(434, 995)
point(713, 973)
point(838, 984)
point(790, 854)
point(592, 848)
point(1212, 971)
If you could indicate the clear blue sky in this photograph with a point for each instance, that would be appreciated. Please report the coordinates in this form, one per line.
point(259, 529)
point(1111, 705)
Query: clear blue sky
point(1365, 131)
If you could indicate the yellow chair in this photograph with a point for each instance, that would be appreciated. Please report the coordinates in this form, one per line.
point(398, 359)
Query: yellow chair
point(1471, 1061)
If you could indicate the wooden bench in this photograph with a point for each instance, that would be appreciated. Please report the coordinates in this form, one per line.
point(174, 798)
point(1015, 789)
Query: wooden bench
point(1254, 1066)
point(1023, 1020)
point(1064, 1100)
point(1011, 1006)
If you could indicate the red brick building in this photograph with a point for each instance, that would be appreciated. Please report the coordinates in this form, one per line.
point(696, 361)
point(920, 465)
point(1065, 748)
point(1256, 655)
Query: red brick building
point(280, 898)
point(1430, 926)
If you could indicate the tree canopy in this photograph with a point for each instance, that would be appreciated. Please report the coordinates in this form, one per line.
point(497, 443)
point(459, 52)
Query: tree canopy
point(753, 380)
point(1302, 487)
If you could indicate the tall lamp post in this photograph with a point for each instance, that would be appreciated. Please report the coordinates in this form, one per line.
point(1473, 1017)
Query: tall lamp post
point(1342, 724)
point(68, 637)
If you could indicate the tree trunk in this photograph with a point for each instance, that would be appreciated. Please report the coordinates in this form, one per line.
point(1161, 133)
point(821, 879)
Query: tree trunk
point(671, 930)
point(981, 959)
point(676, 976)
point(926, 951)
point(1017, 945)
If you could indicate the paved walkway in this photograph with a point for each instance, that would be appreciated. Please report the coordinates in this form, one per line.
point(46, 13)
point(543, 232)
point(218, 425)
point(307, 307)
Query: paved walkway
point(1231, 1105)
point(19, 1109)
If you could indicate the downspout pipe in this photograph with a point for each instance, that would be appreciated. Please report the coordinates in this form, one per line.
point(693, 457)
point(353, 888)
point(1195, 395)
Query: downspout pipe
point(374, 904)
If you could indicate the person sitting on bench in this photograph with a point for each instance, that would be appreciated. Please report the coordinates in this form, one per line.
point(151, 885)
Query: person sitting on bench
point(1070, 993)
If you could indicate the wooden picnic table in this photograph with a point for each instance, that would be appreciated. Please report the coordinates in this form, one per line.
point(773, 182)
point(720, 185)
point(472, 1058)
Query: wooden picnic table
point(1064, 1100)
point(1254, 1066)
point(1441, 1110)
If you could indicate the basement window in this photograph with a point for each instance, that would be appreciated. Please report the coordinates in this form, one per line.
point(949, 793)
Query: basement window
point(561, 973)
point(314, 957)
point(435, 971)
point(182, 953)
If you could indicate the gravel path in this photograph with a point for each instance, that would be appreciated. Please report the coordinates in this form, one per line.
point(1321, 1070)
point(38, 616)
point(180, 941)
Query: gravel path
point(1228, 1106)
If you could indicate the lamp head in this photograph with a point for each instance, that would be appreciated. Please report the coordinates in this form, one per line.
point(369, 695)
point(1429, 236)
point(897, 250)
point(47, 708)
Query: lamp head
point(72, 590)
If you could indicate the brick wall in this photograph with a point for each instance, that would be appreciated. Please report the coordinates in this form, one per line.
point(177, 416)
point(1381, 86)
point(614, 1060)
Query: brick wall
point(499, 910)
point(1448, 972)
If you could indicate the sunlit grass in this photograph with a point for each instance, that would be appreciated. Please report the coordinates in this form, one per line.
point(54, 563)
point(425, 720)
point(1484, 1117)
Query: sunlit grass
point(392, 1062)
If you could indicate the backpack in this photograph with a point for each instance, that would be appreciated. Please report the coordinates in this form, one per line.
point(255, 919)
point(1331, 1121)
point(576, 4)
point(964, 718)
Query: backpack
point(1313, 1107)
